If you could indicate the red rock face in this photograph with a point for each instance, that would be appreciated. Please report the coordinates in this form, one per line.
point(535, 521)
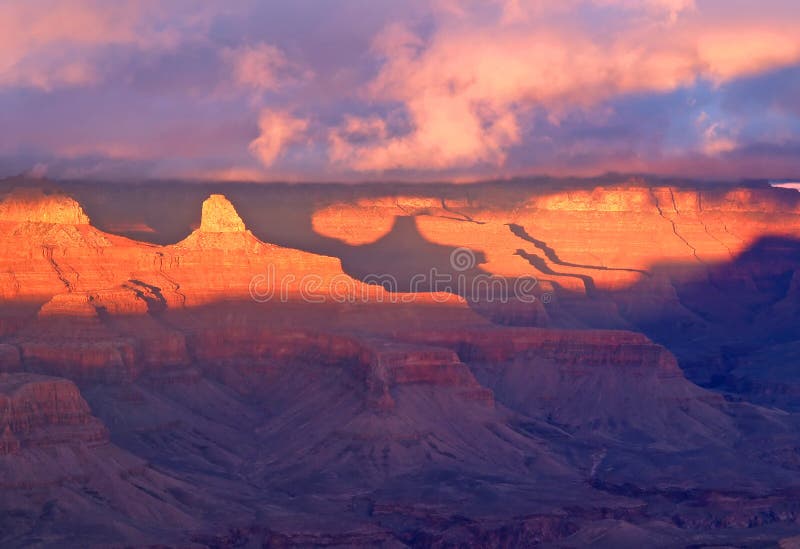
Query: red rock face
point(102, 295)
point(39, 411)
point(610, 235)
point(608, 238)
point(50, 443)
point(34, 206)
point(388, 417)
point(50, 248)
point(219, 216)
point(571, 349)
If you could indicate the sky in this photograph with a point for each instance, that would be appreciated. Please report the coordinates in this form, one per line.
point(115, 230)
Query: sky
point(357, 90)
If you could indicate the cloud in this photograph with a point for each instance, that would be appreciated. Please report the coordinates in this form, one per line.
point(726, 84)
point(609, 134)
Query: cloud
point(716, 137)
point(278, 129)
point(672, 9)
point(409, 89)
point(732, 52)
point(467, 84)
point(262, 67)
point(46, 44)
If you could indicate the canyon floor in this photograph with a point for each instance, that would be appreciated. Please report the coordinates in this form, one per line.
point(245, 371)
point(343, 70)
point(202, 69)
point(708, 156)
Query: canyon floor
point(561, 363)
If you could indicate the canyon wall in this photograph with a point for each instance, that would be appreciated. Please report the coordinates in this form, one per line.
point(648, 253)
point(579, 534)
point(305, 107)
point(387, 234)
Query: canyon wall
point(196, 389)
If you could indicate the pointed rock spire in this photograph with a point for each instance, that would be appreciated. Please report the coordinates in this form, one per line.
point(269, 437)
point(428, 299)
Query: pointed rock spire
point(219, 216)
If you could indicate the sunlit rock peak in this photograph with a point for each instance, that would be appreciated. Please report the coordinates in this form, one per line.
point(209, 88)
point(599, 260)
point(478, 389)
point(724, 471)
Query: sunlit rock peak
point(219, 216)
point(33, 205)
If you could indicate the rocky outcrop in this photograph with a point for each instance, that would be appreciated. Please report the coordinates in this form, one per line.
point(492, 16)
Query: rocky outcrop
point(390, 364)
point(110, 335)
point(221, 228)
point(569, 348)
point(40, 411)
point(52, 447)
point(380, 364)
point(34, 206)
point(598, 382)
point(222, 260)
point(108, 360)
point(70, 305)
point(219, 216)
point(49, 249)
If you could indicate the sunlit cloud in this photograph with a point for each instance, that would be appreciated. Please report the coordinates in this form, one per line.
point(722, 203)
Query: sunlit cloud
point(465, 86)
point(461, 89)
point(49, 43)
point(277, 130)
point(262, 67)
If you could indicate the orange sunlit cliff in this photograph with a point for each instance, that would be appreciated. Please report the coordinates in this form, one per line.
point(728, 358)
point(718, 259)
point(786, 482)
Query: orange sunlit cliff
point(125, 356)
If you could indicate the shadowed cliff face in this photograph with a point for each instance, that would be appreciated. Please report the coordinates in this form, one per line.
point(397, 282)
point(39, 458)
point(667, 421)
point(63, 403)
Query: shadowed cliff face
point(729, 311)
point(147, 385)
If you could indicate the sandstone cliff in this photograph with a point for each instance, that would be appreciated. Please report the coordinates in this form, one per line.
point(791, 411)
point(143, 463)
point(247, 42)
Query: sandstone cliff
point(49, 248)
point(398, 418)
point(34, 206)
point(604, 238)
point(37, 410)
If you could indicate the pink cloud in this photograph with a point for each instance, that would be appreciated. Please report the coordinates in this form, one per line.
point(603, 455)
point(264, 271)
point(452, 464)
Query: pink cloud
point(257, 66)
point(671, 8)
point(737, 51)
point(262, 67)
point(513, 12)
point(465, 86)
point(51, 43)
point(278, 129)
point(716, 137)
point(448, 88)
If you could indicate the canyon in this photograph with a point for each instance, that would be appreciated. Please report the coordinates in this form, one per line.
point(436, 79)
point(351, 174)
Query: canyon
point(237, 365)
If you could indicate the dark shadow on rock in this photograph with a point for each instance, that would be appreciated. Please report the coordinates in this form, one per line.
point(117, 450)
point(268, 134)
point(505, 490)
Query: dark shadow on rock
point(722, 313)
point(414, 262)
point(552, 255)
point(540, 264)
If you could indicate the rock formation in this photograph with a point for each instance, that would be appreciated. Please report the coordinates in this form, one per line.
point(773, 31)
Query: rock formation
point(34, 206)
point(219, 216)
point(609, 236)
point(51, 444)
point(261, 387)
point(38, 411)
point(51, 249)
